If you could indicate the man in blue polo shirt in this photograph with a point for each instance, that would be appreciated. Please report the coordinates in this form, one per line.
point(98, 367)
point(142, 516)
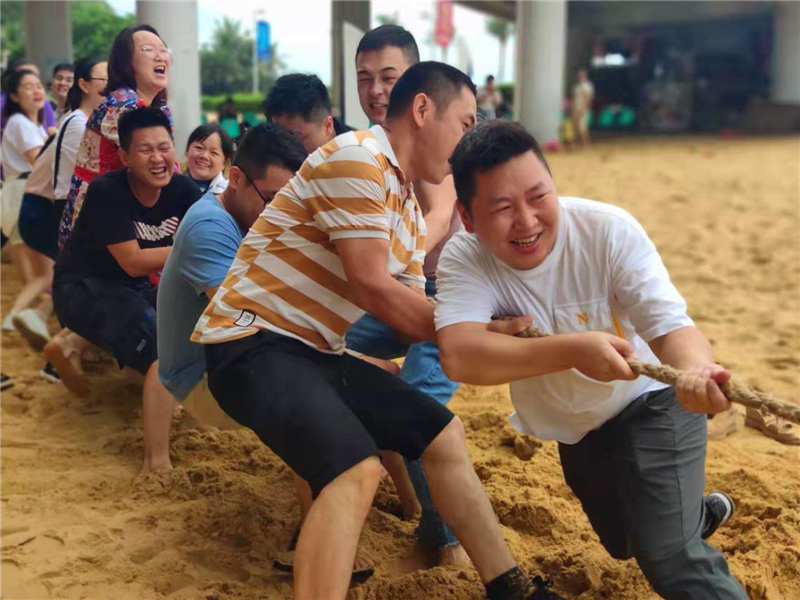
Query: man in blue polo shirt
point(206, 244)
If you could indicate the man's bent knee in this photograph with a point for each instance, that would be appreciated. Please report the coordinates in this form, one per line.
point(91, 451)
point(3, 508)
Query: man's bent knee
point(450, 441)
point(362, 478)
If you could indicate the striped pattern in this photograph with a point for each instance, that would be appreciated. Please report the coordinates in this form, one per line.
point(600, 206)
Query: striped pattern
point(288, 277)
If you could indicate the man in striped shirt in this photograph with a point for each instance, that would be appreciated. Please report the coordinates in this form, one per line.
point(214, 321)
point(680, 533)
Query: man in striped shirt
point(346, 236)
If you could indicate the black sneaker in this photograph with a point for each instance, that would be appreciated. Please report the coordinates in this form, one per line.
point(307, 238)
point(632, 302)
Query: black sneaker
point(5, 382)
point(50, 374)
point(541, 591)
point(719, 509)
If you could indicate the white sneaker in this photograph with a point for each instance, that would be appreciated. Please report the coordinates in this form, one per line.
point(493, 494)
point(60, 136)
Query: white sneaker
point(8, 324)
point(32, 327)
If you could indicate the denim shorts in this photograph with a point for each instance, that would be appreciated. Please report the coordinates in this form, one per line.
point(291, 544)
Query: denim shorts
point(119, 317)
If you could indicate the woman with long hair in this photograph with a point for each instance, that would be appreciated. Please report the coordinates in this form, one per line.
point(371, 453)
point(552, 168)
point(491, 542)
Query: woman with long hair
point(45, 197)
point(23, 138)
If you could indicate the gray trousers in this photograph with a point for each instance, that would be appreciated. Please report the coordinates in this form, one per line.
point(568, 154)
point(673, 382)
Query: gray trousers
point(640, 479)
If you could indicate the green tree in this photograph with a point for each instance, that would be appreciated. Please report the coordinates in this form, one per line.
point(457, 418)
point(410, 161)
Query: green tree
point(226, 64)
point(501, 29)
point(392, 19)
point(94, 27)
point(11, 30)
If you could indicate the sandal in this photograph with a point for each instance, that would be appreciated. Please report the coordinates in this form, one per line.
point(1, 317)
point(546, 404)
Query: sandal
point(774, 427)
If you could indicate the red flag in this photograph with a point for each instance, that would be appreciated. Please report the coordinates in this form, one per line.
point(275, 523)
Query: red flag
point(444, 22)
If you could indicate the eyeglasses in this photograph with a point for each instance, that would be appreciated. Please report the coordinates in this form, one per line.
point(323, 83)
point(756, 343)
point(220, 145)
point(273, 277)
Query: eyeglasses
point(260, 195)
point(98, 79)
point(153, 53)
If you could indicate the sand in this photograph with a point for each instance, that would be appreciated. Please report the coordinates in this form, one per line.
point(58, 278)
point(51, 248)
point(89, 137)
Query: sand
point(79, 522)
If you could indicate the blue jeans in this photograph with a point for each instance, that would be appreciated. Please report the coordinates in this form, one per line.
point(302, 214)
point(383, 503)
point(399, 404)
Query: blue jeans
point(423, 370)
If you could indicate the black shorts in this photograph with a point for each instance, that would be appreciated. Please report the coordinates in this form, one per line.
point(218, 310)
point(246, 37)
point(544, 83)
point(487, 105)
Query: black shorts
point(118, 317)
point(321, 413)
point(38, 223)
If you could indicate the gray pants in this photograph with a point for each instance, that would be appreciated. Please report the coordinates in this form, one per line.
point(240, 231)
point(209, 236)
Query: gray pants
point(640, 480)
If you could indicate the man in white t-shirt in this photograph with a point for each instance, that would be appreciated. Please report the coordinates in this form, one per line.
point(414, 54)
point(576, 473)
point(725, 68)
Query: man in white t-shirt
point(632, 450)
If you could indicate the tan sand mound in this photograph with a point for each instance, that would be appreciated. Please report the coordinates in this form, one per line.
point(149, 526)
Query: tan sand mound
point(79, 522)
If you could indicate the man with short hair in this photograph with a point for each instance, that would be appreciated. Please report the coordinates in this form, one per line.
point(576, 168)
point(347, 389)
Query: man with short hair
point(382, 56)
point(63, 76)
point(103, 288)
point(301, 104)
point(631, 451)
point(206, 244)
point(346, 236)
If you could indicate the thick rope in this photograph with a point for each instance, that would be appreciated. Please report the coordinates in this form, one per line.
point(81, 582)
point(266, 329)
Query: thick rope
point(734, 390)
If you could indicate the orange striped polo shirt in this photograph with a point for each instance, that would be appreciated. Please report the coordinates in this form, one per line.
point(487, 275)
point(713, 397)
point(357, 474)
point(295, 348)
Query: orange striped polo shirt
point(288, 277)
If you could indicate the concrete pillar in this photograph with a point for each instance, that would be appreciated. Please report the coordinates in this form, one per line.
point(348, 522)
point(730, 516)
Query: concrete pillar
point(176, 23)
point(541, 52)
point(356, 12)
point(786, 53)
point(48, 35)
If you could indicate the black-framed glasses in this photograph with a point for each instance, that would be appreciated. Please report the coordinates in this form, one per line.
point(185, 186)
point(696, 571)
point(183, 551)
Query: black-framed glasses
point(99, 79)
point(253, 183)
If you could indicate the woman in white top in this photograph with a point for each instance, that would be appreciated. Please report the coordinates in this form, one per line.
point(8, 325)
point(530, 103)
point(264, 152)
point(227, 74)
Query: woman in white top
point(45, 197)
point(23, 137)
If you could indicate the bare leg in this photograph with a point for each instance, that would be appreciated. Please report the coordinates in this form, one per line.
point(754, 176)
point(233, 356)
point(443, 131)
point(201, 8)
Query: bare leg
point(157, 405)
point(461, 500)
point(21, 261)
point(45, 307)
point(40, 277)
point(329, 538)
point(396, 467)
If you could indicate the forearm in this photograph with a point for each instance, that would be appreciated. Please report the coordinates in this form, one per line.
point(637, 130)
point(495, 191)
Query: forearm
point(684, 348)
point(398, 306)
point(145, 261)
point(437, 223)
point(482, 357)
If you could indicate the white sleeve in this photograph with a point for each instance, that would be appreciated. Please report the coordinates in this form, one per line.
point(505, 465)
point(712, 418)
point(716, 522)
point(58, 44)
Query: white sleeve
point(462, 294)
point(69, 152)
point(24, 134)
point(641, 282)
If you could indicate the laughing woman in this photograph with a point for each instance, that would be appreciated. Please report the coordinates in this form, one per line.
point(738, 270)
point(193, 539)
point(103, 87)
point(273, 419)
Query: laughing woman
point(209, 152)
point(138, 73)
point(23, 137)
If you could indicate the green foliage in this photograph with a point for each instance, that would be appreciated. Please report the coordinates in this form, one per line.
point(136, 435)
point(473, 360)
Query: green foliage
point(244, 102)
point(94, 27)
point(499, 28)
point(507, 92)
point(393, 19)
point(11, 29)
point(226, 64)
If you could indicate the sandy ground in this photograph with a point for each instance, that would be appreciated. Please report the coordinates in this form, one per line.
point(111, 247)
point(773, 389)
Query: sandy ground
point(78, 521)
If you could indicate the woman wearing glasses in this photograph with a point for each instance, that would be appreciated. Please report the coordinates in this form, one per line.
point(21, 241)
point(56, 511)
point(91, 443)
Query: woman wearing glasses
point(45, 196)
point(138, 73)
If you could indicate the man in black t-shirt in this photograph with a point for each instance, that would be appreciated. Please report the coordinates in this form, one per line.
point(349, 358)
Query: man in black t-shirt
point(104, 287)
